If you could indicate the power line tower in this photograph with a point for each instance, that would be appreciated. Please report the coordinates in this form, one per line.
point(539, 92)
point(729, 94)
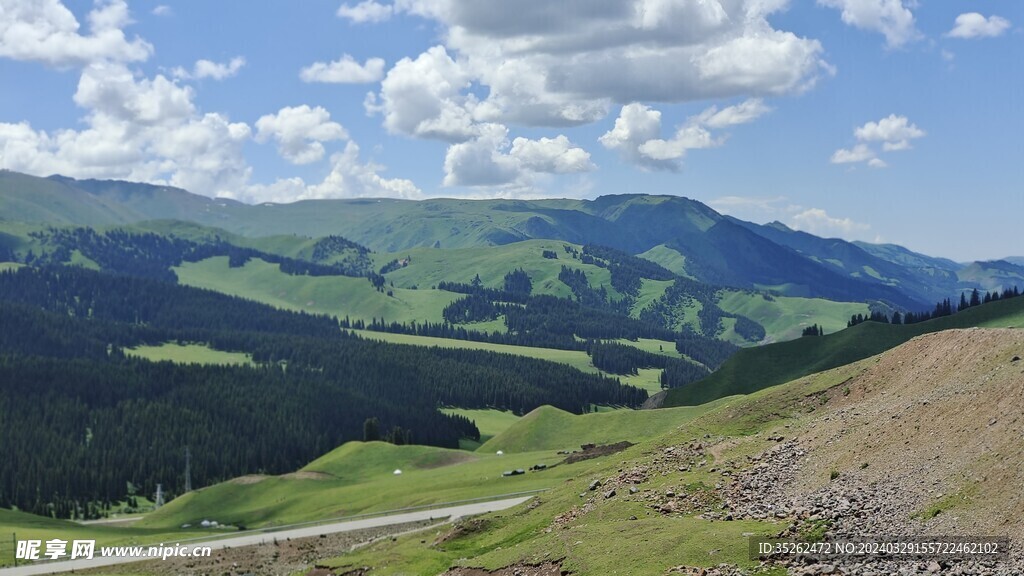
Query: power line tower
point(188, 470)
point(159, 501)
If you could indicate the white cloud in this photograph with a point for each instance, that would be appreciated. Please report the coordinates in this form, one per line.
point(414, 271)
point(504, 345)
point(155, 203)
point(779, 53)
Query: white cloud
point(636, 125)
point(162, 10)
point(748, 111)
point(551, 155)
point(974, 25)
point(859, 153)
point(46, 31)
point(299, 132)
point(345, 70)
point(349, 178)
point(818, 222)
point(366, 11)
point(565, 63)
point(894, 132)
point(637, 133)
point(488, 160)
point(815, 221)
point(136, 129)
point(423, 98)
point(892, 18)
point(209, 69)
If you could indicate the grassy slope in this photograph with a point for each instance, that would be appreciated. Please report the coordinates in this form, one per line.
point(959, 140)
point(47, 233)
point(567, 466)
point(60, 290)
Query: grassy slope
point(667, 257)
point(755, 368)
point(548, 428)
point(785, 317)
point(358, 481)
point(337, 295)
point(489, 422)
point(188, 354)
point(429, 266)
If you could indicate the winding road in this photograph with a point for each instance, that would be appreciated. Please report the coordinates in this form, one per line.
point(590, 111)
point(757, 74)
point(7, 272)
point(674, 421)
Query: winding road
point(254, 537)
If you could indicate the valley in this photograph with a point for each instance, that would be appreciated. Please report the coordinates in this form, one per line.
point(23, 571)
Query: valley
point(641, 368)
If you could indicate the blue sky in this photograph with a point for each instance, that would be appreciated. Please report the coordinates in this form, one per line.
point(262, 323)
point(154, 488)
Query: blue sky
point(880, 120)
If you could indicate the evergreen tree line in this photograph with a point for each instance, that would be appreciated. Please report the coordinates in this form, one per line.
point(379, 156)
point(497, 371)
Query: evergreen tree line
point(152, 255)
point(84, 419)
point(942, 308)
point(596, 298)
point(684, 293)
point(813, 330)
point(624, 359)
point(627, 271)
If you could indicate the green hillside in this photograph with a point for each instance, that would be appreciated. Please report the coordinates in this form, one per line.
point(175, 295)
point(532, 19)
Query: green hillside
point(784, 317)
point(358, 478)
point(336, 295)
point(427, 266)
point(752, 369)
point(548, 428)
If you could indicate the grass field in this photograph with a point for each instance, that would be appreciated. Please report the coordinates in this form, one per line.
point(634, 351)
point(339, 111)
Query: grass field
point(189, 354)
point(337, 295)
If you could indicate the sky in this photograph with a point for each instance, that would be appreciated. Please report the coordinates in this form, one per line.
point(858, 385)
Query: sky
point(879, 120)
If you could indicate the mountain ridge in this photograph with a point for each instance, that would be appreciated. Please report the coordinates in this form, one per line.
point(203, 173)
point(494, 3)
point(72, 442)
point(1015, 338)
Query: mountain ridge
point(718, 249)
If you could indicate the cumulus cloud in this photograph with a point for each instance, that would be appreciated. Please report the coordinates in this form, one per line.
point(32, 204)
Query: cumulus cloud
point(209, 69)
point(299, 132)
point(818, 222)
point(162, 10)
point(137, 129)
point(423, 97)
point(894, 132)
point(636, 134)
point(551, 155)
point(488, 160)
point(349, 178)
point(859, 153)
point(974, 25)
point(892, 18)
point(345, 70)
point(540, 63)
point(366, 11)
point(46, 31)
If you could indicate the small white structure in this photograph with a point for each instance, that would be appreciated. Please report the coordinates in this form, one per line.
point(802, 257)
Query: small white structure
point(501, 453)
point(398, 472)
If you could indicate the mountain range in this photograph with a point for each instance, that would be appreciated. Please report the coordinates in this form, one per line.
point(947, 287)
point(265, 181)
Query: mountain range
point(683, 235)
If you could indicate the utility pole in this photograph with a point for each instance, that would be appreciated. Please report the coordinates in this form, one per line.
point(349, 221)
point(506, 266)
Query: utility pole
point(14, 551)
point(188, 470)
